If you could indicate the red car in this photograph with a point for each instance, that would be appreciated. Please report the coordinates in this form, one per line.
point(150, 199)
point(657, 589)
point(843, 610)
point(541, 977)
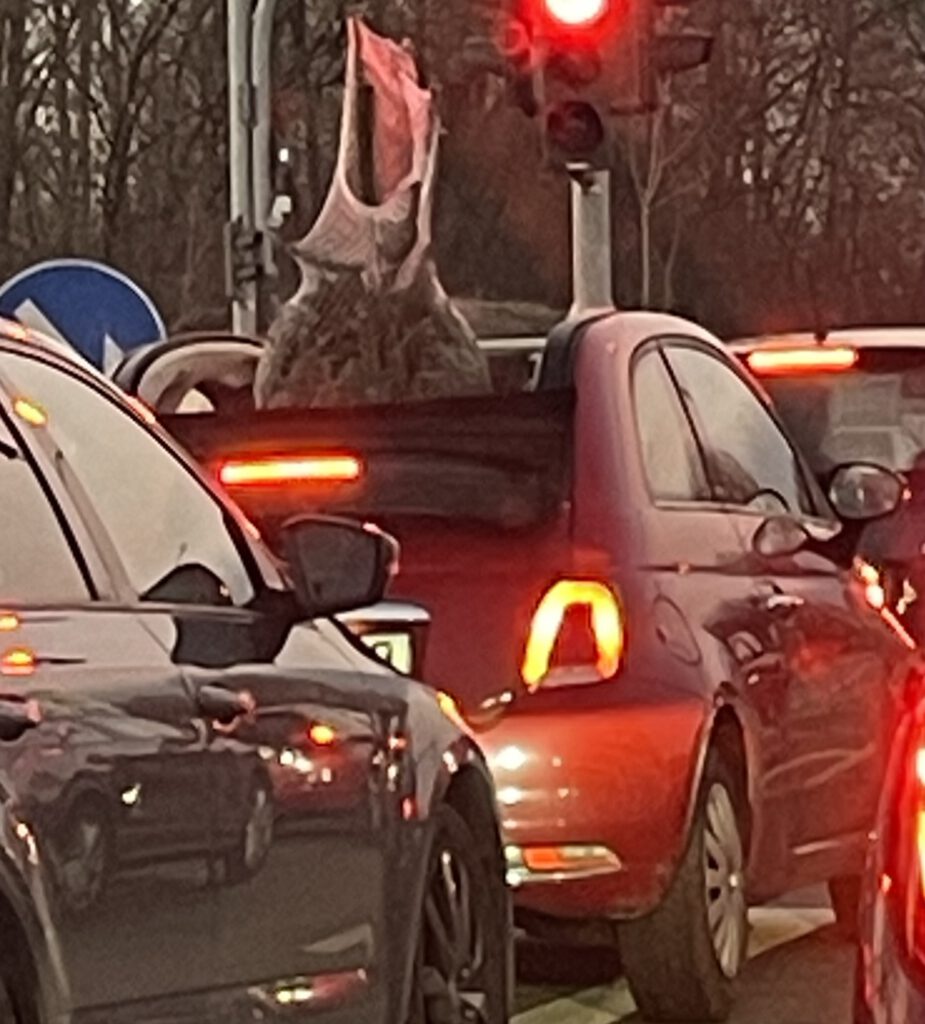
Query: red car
point(649, 609)
point(890, 980)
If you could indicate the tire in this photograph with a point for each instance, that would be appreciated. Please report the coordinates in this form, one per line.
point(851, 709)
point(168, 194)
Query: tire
point(461, 959)
point(253, 844)
point(679, 966)
point(845, 897)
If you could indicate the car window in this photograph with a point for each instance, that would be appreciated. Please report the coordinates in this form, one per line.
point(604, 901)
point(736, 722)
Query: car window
point(874, 412)
point(749, 460)
point(672, 462)
point(171, 536)
point(37, 565)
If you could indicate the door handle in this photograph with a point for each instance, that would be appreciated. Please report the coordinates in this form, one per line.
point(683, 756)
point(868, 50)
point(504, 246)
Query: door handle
point(783, 604)
point(17, 718)
point(224, 706)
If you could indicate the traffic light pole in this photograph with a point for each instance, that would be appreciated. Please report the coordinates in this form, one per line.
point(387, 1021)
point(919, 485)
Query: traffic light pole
point(242, 288)
point(249, 254)
point(592, 249)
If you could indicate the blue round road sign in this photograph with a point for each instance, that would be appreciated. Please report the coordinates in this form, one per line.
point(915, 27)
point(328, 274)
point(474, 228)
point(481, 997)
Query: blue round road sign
point(98, 311)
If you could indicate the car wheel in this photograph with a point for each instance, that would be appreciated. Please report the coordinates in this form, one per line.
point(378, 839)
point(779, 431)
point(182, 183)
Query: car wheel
point(461, 950)
point(845, 897)
point(681, 960)
point(256, 837)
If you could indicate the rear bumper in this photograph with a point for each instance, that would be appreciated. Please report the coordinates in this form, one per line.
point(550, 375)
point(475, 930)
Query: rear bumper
point(603, 780)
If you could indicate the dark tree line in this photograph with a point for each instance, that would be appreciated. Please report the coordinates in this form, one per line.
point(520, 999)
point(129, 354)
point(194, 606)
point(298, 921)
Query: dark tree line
point(783, 186)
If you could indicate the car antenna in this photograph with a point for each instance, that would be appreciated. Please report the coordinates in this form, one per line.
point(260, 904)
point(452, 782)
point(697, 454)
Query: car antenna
point(820, 335)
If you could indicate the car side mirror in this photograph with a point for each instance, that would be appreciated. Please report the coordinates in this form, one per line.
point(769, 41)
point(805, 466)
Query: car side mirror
point(779, 536)
point(338, 565)
point(863, 491)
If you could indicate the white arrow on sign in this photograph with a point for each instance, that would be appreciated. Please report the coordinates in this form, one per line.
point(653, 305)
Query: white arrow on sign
point(29, 315)
point(112, 355)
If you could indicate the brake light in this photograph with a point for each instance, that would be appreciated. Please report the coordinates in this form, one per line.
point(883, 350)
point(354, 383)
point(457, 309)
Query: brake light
point(576, 636)
point(290, 469)
point(781, 361)
point(904, 862)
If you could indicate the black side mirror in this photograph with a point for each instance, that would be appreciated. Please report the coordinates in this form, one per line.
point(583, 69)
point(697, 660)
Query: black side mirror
point(338, 565)
point(779, 536)
point(863, 491)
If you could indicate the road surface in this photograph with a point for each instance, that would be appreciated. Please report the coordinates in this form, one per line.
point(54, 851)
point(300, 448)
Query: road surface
point(799, 972)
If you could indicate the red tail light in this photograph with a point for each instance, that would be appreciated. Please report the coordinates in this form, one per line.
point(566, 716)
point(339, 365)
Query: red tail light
point(782, 361)
point(275, 471)
point(920, 822)
point(904, 846)
point(576, 636)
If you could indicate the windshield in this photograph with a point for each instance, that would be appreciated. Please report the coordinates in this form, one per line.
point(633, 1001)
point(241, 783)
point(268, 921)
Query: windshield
point(874, 413)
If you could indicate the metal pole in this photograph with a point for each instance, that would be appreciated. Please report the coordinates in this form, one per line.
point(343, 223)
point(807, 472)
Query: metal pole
point(261, 133)
point(592, 251)
point(244, 303)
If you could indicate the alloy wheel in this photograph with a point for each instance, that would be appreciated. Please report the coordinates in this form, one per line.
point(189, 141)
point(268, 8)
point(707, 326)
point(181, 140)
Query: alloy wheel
point(724, 864)
point(452, 955)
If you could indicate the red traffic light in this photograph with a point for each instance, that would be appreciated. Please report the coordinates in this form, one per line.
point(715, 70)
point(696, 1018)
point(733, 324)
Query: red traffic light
point(575, 13)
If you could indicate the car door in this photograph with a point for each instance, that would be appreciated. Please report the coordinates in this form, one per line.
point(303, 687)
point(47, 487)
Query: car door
point(841, 658)
point(299, 784)
point(702, 604)
point(98, 749)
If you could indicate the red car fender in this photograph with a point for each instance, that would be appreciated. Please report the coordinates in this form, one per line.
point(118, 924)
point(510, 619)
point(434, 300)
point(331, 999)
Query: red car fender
point(725, 726)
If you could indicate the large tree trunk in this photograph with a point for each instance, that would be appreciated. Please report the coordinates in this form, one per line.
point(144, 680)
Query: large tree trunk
point(371, 322)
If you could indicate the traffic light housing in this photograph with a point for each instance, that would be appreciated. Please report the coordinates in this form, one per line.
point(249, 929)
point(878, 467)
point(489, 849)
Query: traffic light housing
point(589, 65)
point(578, 64)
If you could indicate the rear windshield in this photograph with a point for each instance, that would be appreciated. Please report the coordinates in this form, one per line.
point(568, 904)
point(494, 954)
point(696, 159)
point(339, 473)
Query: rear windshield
point(874, 412)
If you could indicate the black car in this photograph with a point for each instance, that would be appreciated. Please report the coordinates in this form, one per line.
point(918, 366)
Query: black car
point(216, 804)
point(858, 395)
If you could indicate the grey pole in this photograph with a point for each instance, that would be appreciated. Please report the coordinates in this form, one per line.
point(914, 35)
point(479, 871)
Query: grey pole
point(261, 132)
point(592, 251)
point(244, 300)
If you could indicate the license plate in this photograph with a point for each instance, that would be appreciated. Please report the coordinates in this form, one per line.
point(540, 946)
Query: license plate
point(395, 648)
